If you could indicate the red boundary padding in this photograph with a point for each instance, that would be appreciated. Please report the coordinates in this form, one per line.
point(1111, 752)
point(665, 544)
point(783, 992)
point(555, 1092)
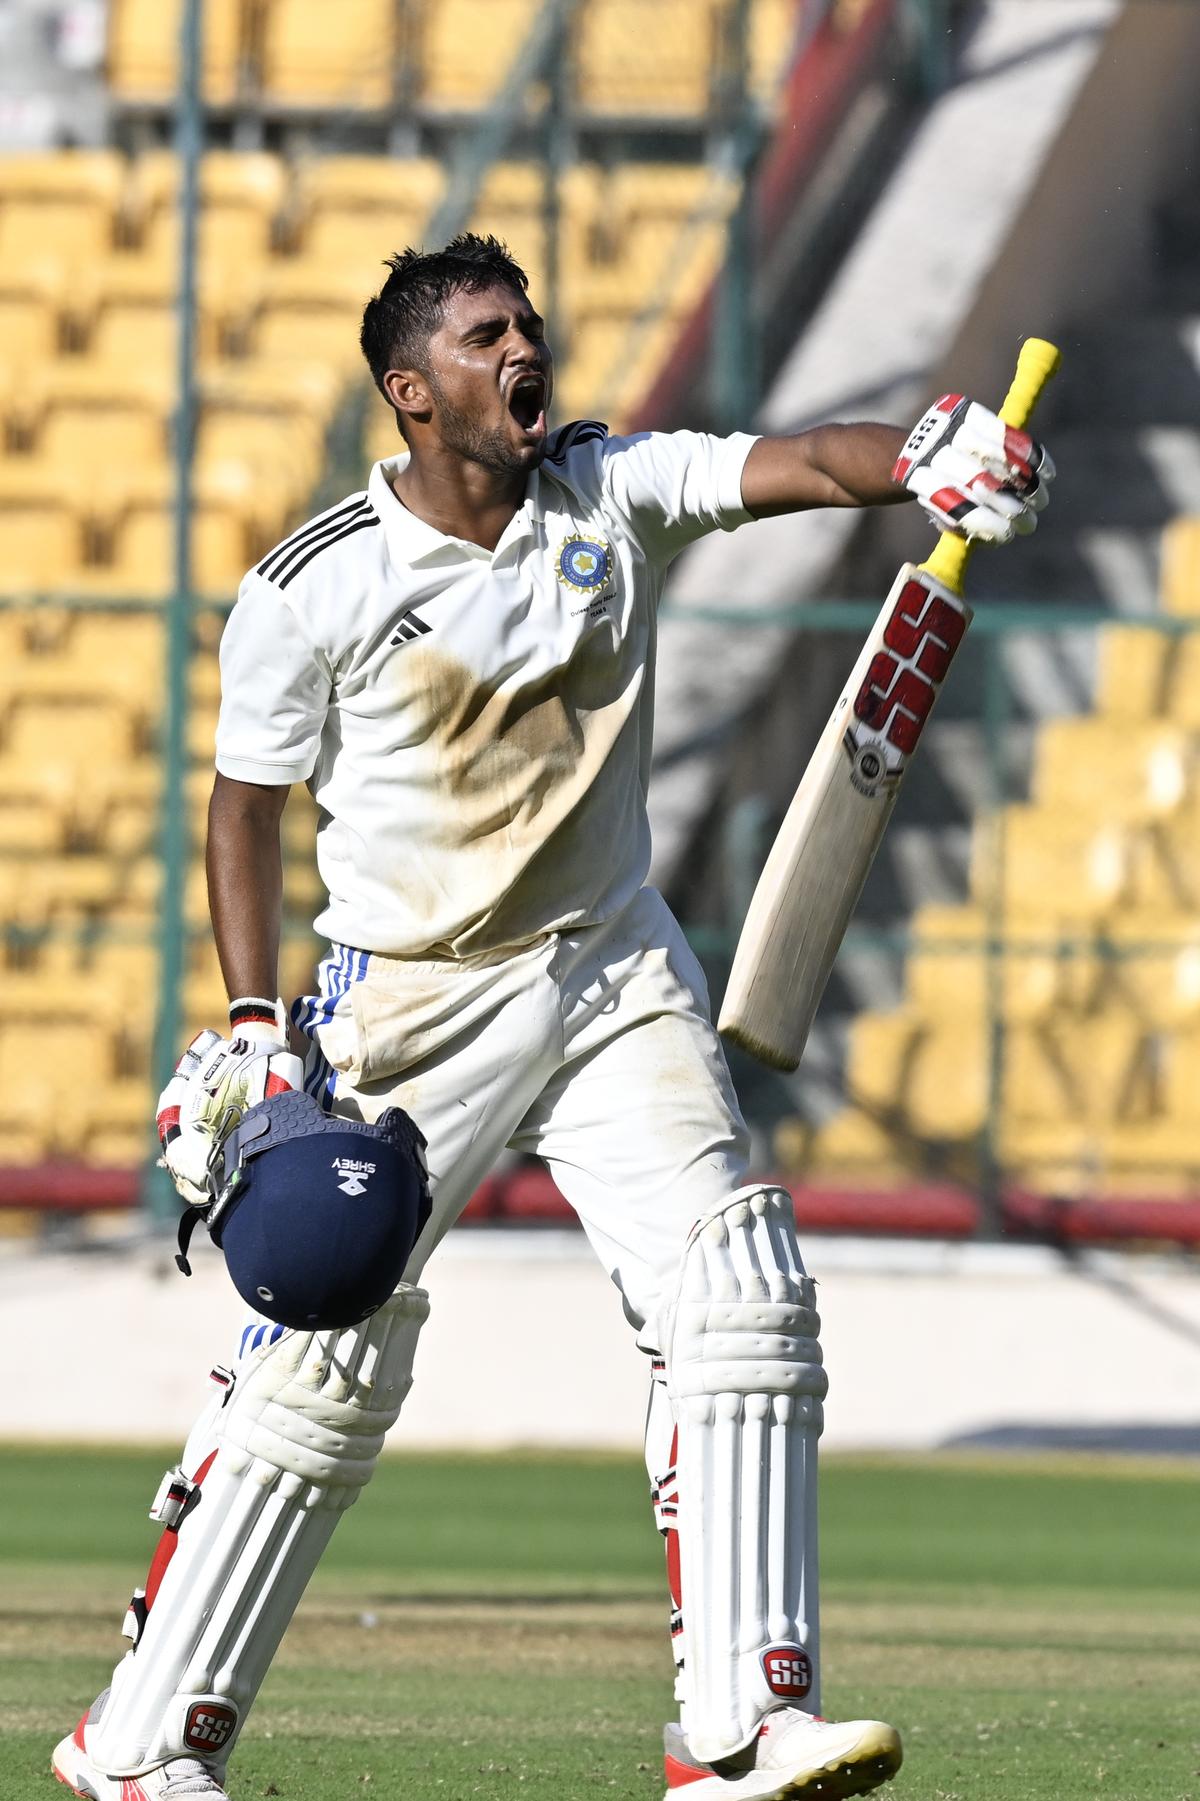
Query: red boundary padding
point(527, 1194)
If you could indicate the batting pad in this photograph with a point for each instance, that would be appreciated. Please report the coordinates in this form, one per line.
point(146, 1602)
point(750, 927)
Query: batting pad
point(294, 1445)
point(745, 1379)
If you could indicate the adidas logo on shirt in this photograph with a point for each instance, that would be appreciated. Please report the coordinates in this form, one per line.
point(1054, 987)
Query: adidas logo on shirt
point(410, 627)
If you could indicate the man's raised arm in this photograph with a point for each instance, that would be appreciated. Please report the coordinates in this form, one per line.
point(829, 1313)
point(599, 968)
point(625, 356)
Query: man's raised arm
point(972, 473)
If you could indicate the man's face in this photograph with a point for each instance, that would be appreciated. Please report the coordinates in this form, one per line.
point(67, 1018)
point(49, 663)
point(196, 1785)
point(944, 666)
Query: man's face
point(491, 374)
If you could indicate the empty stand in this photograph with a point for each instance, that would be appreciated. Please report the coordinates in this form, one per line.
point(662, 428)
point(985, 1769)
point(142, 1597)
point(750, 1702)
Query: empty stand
point(143, 49)
point(466, 49)
point(645, 60)
point(307, 64)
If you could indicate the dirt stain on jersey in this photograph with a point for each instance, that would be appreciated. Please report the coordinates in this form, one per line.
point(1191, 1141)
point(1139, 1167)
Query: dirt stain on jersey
point(513, 760)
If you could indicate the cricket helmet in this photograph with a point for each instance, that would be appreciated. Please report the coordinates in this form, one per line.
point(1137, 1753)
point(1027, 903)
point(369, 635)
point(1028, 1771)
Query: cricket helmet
point(317, 1216)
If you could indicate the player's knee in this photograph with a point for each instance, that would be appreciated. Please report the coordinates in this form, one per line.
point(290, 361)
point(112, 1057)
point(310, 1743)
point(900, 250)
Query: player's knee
point(319, 1404)
point(744, 1318)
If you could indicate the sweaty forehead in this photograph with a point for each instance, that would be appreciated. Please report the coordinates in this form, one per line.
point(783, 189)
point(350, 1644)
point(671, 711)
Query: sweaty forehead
point(467, 308)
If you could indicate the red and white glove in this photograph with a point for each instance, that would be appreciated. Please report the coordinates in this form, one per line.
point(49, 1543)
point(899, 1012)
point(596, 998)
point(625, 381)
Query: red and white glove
point(216, 1081)
point(973, 474)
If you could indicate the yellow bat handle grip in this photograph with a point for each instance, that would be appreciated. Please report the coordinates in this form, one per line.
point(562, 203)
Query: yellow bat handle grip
point(1035, 365)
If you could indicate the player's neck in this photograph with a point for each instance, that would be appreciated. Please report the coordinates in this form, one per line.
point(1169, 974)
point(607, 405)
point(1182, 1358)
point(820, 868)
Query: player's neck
point(462, 499)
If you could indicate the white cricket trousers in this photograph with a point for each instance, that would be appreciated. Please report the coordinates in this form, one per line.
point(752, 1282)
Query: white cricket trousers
point(593, 1049)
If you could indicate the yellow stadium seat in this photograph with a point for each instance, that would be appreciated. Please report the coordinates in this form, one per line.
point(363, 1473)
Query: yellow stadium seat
point(143, 48)
point(631, 58)
point(1153, 967)
point(1179, 1053)
point(467, 49)
point(1182, 702)
point(254, 180)
point(28, 336)
point(143, 560)
point(1111, 770)
point(28, 825)
point(74, 229)
point(239, 449)
point(316, 333)
point(1047, 860)
point(43, 545)
point(98, 175)
point(305, 63)
point(878, 1061)
point(99, 444)
point(1110, 1063)
point(1180, 578)
point(1133, 672)
point(949, 970)
point(854, 1146)
point(59, 748)
point(774, 32)
point(126, 331)
point(1166, 863)
point(399, 192)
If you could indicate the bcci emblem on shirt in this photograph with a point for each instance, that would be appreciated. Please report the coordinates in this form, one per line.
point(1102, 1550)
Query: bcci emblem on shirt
point(584, 564)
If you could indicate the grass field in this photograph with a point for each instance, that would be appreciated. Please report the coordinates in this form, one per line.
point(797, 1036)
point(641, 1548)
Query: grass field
point(494, 1626)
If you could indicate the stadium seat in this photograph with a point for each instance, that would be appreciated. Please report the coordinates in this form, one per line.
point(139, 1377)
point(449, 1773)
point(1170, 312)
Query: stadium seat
point(1133, 672)
point(397, 192)
point(644, 60)
point(1165, 863)
point(1153, 967)
point(1049, 861)
point(315, 333)
point(28, 826)
point(143, 49)
point(948, 970)
point(775, 27)
point(1182, 701)
point(467, 48)
point(306, 64)
point(143, 554)
point(248, 180)
point(28, 337)
point(43, 544)
point(1111, 769)
point(1180, 579)
point(1109, 1060)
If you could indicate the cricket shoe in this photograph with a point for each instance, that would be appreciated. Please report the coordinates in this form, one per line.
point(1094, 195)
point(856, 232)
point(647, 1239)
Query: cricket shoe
point(794, 1754)
point(179, 1779)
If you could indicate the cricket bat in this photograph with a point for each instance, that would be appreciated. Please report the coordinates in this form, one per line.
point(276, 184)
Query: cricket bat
point(819, 861)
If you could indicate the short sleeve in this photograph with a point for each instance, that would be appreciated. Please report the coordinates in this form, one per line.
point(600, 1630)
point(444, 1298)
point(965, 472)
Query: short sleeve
point(673, 487)
point(275, 689)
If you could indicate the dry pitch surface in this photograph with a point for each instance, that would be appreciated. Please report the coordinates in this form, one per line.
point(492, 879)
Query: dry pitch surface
point(494, 1627)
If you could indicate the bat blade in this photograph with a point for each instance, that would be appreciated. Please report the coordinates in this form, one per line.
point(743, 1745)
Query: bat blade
point(819, 862)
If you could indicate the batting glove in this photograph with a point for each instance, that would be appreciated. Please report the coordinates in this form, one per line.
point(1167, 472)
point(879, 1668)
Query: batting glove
point(216, 1081)
point(973, 474)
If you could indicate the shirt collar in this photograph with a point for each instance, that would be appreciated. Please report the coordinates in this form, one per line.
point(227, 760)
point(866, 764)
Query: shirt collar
point(416, 543)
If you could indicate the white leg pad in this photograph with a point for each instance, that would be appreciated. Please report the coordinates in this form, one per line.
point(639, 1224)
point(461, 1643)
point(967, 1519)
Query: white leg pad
point(745, 1379)
point(294, 1446)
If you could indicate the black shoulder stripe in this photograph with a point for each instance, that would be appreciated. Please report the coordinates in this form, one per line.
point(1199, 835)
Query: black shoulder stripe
point(347, 531)
point(582, 431)
point(330, 529)
point(304, 533)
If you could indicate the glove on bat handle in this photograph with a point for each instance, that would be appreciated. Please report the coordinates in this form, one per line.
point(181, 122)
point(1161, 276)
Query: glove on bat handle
point(1036, 363)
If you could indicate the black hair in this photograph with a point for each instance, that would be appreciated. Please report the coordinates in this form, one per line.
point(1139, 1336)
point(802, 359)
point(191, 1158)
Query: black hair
point(398, 323)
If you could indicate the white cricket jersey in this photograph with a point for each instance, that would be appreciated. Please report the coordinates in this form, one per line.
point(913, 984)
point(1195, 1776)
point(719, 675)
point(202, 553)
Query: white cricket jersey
point(474, 725)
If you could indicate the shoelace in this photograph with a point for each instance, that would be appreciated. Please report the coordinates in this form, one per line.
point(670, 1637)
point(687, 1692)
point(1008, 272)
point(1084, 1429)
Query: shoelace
point(191, 1777)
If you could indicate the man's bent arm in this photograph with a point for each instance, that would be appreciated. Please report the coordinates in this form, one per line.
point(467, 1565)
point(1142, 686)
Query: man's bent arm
point(245, 883)
point(829, 466)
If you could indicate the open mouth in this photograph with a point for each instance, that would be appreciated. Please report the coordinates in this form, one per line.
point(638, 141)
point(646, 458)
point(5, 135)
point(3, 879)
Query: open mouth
point(527, 404)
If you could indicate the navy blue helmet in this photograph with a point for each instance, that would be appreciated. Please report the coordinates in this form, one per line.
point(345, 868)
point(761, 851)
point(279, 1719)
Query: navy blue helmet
point(317, 1216)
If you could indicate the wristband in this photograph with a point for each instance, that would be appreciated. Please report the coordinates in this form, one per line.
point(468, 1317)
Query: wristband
point(252, 1010)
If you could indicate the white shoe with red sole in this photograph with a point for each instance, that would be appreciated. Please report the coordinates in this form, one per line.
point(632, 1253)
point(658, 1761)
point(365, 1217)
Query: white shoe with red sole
point(795, 1754)
point(182, 1779)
